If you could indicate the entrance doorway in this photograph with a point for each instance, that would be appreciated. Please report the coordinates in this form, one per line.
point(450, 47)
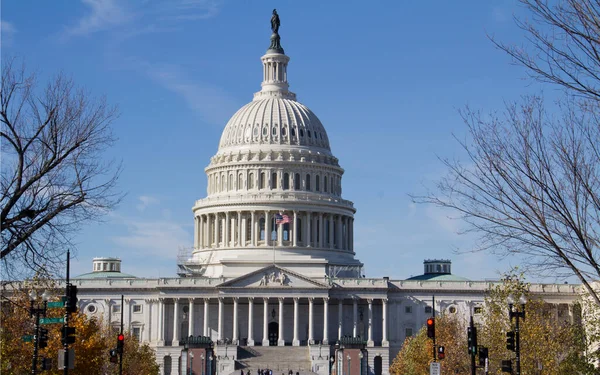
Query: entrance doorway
point(377, 365)
point(273, 333)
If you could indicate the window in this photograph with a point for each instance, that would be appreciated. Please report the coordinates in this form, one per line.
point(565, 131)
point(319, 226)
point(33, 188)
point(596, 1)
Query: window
point(261, 225)
point(298, 229)
point(251, 181)
point(308, 132)
point(91, 309)
point(293, 132)
point(283, 132)
point(137, 332)
point(230, 182)
point(408, 309)
point(452, 309)
point(478, 310)
point(274, 181)
point(325, 184)
point(137, 308)
point(274, 131)
point(428, 309)
point(408, 332)
point(116, 308)
point(240, 184)
point(261, 181)
point(286, 231)
point(286, 181)
point(307, 182)
point(297, 181)
point(264, 132)
point(302, 132)
point(317, 180)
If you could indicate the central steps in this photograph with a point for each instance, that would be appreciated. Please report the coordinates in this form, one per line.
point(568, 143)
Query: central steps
point(280, 359)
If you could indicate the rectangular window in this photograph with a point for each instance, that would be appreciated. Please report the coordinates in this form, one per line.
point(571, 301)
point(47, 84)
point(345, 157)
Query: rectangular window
point(137, 331)
point(478, 310)
point(408, 332)
point(408, 309)
point(137, 308)
point(428, 309)
point(116, 308)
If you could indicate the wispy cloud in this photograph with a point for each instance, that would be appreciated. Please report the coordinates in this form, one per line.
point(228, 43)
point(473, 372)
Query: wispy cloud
point(145, 202)
point(7, 31)
point(101, 15)
point(161, 238)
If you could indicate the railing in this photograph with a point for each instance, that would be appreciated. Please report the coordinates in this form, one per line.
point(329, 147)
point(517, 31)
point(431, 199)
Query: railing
point(269, 197)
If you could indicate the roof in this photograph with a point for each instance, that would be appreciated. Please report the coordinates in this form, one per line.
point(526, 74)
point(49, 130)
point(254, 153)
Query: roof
point(105, 275)
point(438, 277)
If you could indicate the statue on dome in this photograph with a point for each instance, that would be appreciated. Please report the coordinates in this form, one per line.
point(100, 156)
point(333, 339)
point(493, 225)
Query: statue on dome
point(275, 22)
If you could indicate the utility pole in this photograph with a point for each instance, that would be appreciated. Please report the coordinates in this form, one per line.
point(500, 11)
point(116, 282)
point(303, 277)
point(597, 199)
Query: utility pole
point(434, 347)
point(473, 347)
point(121, 351)
point(66, 323)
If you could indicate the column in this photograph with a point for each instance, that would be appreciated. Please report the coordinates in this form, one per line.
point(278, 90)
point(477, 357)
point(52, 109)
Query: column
point(267, 229)
point(314, 226)
point(295, 227)
point(281, 341)
point(161, 321)
point(384, 339)
point(339, 234)
point(321, 231)
point(354, 316)
point(340, 318)
point(220, 320)
point(235, 320)
point(280, 234)
point(265, 338)
point(250, 321)
point(196, 231)
point(127, 314)
point(148, 321)
point(252, 229)
point(240, 240)
point(325, 320)
point(310, 320)
point(330, 219)
point(307, 217)
point(351, 244)
point(244, 230)
point(217, 230)
point(370, 322)
point(175, 322)
point(205, 323)
point(295, 341)
point(191, 317)
point(227, 236)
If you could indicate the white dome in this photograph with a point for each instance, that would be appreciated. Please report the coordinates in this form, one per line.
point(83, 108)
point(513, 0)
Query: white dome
point(274, 121)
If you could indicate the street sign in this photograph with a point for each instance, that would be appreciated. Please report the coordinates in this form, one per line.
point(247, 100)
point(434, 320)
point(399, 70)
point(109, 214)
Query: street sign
point(27, 338)
point(435, 368)
point(52, 320)
point(52, 305)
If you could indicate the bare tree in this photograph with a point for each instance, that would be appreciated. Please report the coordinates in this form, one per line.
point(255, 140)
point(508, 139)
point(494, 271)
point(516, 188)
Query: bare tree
point(531, 186)
point(563, 44)
point(53, 174)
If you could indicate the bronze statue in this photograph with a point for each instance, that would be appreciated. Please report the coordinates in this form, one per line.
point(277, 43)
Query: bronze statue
point(275, 22)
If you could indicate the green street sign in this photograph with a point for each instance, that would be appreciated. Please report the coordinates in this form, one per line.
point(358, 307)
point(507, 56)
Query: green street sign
point(56, 304)
point(27, 338)
point(52, 320)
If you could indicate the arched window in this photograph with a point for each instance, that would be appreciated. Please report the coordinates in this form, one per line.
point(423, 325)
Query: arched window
point(307, 182)
point(293, 132)
point(262, 180)
point(274, 181)
point(230, 182)
point(297, 181)
point(261, 227)
point(331, 184)
point(223, 182)
point(286, 181)
point(286, 231)
point(274, 228)
point(317, 180)
point(251, 181)
point(327, 229)
point(240, 182)
point(325, 184)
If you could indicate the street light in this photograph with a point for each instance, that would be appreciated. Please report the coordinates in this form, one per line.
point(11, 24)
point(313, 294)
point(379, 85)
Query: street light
point(513, 312)
point(37, 311)
point(349, 359)
point(202, 359)
point(331, 360)
point(210, 359)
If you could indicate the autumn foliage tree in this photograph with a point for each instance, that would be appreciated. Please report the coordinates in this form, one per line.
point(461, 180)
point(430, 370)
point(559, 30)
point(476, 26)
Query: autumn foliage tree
point(92, 345)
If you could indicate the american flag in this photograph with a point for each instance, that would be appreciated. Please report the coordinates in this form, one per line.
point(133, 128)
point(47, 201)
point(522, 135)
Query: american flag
point(281, 219)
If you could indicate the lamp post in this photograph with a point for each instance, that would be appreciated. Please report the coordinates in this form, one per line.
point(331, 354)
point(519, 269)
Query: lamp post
point(349, 360)
point(331, 360)
point(202, 358)
point(37, 311)
point(513, 312)
point(360, 357)
point(210, 359)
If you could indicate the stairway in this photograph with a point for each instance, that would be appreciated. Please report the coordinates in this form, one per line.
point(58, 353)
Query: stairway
point(280, 359)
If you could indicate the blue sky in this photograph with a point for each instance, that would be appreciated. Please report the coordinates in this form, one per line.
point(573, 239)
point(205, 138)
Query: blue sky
point(386, 79)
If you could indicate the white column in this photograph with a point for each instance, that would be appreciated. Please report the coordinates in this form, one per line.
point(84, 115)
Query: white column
point(196, 231)
point(227, 236)
point(217, 230)
point(370, 322)
point(161, 322)
point(220, 320)
point(338, 232)
point(239, 229)
point(311, 338)
point(294, 236)
point(280, 234)
point(325, 320)
point(148, 321)
point(175, 322)
point(267, 229)
point(307, 217)
point(321, 231)
point(191, 317)
point(265, 338)
point(295, 341)
point(205, 323)
point(384, 338)
point(250, 321)
point(340, 318)
point(235, 320)
point(354, 316)
point(281, 341)
point(244, 230)
point(314, 225)
point(351, 244)
point(252, 229)
point(330, 219)
point(127, 314)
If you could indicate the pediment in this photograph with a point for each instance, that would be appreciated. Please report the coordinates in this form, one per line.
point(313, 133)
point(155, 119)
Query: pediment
point(273, 277)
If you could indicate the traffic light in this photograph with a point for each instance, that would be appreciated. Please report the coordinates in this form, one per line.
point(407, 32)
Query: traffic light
point(113, 356)
point(472, 340)
point(441, 352)
point(510, 340)
point(120, 343)
point(46, 363)
point(43, 339)
point(71, 299)
point(68, 335)
point(431, 328)
point(506, 366)
point(483, 355)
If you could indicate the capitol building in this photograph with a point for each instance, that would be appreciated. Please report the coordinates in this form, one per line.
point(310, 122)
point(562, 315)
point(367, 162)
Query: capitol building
point(273, 279)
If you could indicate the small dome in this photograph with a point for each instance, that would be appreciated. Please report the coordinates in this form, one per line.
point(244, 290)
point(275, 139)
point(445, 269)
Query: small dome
point(274, 121)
